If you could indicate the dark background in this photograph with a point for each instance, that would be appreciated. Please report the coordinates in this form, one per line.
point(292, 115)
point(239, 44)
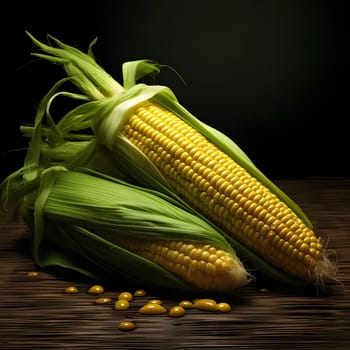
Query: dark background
point(269, 74)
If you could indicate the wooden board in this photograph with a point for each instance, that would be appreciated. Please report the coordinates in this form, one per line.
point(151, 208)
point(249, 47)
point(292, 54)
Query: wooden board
point(36, 313)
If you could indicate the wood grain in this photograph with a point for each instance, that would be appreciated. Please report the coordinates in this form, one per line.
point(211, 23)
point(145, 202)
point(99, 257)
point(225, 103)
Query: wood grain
point(36, 313)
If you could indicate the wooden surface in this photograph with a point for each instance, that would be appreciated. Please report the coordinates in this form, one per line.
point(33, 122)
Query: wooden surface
point(36, 313)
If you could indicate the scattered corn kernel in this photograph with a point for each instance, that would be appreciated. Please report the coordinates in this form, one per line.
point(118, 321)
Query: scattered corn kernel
point(176, 311)
point(121, 304)
point(71, 290)
point(96, 289)
point(205, 304)
point(139, 293)
point(224, 307)
point(33, 274)
point(103, 300)
point(152, 309)
point(186, 304)
point(155, 301)
point(126, 326)
point(125, 295)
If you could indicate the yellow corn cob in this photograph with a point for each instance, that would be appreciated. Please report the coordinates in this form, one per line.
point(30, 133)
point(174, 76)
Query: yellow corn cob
point(200, 264)
point(226, 193)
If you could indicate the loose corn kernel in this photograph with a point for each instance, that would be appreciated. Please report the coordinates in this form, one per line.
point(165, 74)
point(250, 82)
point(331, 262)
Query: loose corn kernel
point(126, 326)
point(121, 304)
point(224, 307)
point(186, 304)
point(205, 304)
point(152, 309)
point(33, 274)
point(125, 295)
point(96, 289)
point(176, 311)
point(103, 300)
point(71, 290)
point(139, 293)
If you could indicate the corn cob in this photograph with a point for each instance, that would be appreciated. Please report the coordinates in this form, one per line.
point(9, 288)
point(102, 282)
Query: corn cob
point(219, 181)
point(225, 192)
point(120, 230)
point(199, 264)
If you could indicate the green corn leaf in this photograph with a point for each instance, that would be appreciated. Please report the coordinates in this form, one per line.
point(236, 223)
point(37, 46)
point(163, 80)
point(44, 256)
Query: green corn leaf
point(136, 70)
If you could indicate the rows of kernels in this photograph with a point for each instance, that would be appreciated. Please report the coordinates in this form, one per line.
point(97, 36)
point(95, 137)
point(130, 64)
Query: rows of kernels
point(222, 190)
point(202, 265)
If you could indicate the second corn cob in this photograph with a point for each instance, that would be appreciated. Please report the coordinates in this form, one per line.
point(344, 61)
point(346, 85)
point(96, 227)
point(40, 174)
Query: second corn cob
point(105, 228)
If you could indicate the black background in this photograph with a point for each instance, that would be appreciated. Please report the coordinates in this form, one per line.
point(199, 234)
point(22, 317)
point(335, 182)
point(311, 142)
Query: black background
point(269, 74)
